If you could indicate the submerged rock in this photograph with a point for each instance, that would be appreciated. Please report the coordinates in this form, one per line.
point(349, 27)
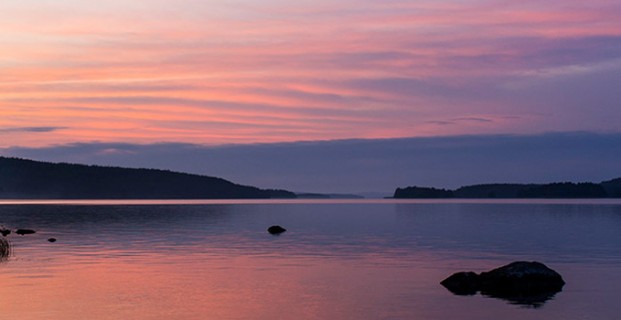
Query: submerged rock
point(276, 230)
point(22, 232)
point(521, 282)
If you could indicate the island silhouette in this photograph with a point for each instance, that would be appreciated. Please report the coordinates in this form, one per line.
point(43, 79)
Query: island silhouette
point(605, 189)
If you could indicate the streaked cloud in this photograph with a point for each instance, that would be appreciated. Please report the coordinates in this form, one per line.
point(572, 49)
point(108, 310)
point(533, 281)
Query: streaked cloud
point(574, 69)
point(217, 72)
point(32, 129)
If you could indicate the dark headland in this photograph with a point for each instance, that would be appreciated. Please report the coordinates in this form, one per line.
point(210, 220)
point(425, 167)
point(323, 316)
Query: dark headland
point(567, 190)
point(28, 179)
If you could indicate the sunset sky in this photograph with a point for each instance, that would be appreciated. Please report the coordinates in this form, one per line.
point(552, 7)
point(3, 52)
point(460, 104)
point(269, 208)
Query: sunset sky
point(210, 72)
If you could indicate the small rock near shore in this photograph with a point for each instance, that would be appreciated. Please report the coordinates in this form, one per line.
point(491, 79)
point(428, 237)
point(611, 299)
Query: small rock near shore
point(276, 230)
point(22, 232)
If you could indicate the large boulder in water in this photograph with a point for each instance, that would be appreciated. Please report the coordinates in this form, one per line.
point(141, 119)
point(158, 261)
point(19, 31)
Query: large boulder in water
point(462, 283)
point(521, 277)
point(521, 282)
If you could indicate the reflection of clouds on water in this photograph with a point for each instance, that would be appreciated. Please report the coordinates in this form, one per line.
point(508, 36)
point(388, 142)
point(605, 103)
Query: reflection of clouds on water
point(105, 227)
point(554, 233)
point(356, 257)
point(563, 232)
point(81, 215)
point(314, 230)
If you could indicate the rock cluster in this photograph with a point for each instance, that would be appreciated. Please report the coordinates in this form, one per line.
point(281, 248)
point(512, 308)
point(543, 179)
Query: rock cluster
point(519, 282)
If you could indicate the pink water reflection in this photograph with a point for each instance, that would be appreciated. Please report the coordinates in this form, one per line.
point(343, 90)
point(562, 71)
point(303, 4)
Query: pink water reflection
point(200, 286)
point(337, 261)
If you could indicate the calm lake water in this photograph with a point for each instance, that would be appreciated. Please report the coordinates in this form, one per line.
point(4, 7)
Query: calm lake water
point(338, 260)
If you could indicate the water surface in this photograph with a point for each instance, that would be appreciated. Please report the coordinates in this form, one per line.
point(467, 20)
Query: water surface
point(338, 260)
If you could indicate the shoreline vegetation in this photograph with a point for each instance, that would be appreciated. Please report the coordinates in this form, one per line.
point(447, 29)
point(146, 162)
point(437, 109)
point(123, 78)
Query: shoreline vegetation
point(563, 190)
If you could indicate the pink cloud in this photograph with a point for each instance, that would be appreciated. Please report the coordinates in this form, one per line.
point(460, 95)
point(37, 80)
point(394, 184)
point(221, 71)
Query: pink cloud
point(260, 71)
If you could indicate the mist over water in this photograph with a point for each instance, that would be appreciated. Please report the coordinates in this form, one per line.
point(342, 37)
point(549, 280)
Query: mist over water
point(338, 260)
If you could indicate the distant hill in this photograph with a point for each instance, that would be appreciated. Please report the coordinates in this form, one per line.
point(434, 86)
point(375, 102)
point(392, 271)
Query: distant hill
point(27, 179)
point(606, 189)
point(312, 195)
point(423, 193)
point(613, 187)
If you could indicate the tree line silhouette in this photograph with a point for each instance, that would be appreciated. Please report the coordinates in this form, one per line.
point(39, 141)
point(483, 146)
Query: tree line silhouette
point(606, 189)
point(28, 179)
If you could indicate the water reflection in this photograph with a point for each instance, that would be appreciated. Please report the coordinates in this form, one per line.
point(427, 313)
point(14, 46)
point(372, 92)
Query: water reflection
point(528, 299)
point(336, 261)
point(551, 232)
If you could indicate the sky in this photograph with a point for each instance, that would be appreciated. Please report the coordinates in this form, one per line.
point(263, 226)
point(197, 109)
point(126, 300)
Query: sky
point(370, 167)
point(150, 74)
